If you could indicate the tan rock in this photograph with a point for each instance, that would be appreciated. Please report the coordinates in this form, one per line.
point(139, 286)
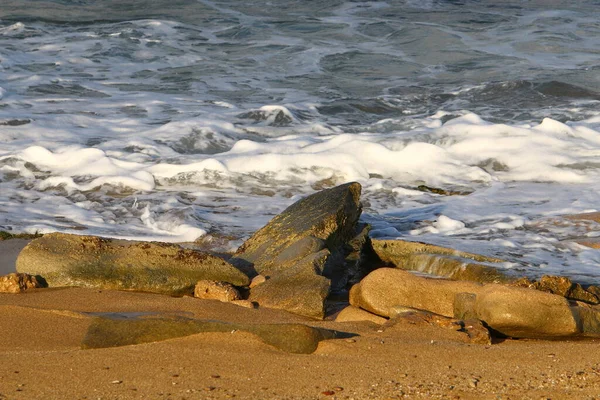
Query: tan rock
point(215, 290)
point(519, 312)
point(387, 287)
point(351, 314)
point(18, 283)
point(72, 260)
point(257, 280)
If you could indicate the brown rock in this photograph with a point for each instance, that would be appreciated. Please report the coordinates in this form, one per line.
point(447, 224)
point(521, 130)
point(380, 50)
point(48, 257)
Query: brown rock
point(18, 283)
point(387, 287)
point(351, 314)
point(72, 260)
point(215, 290)
point(563, 286)
point(519, 312)
point(477, 332)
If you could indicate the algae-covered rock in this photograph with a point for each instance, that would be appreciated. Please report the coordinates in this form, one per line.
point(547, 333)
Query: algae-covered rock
point(326, 219)
point(439, 261)
point(300, 289)
point(292, 338)
point(311, 247)
point(90, 261)
point(562, 286)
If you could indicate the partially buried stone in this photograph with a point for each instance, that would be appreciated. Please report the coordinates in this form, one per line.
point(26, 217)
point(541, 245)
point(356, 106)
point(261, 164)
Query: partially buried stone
point(90, 261)
point(18, 283)
point(292, 338)
point(215, 290)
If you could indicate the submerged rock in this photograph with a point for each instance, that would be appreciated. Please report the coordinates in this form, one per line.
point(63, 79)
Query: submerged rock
point(291, 338)
point(19, 282)
point(303, 251)
point(439, 261)
point(90, 261)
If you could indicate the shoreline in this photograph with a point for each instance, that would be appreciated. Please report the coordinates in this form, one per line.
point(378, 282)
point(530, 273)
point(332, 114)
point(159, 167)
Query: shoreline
point(404, 361)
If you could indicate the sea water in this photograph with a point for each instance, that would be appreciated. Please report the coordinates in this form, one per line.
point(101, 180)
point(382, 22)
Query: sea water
point(170, 120)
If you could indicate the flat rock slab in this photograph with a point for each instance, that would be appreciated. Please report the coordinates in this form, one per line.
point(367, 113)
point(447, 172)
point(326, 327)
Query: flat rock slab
point(291, 338)
point(439, 261)
point(90, 261)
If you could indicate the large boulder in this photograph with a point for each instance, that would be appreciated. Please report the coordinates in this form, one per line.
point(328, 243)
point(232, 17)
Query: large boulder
point(90, 261)
point(384, 288)
point(308, 250)
point(524, 313)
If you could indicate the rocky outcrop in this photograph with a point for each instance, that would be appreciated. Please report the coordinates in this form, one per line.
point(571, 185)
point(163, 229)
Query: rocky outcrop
point(388, 287)
point(439, 261)
point(311, 248)
point(18, 283)
point(90, 261)
point(215, 290)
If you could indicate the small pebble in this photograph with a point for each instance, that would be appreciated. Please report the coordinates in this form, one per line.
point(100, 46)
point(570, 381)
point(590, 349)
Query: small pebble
point(328, 393)
point(215, 376)
point(116, 382)
point(338, 388)
point(351, 340)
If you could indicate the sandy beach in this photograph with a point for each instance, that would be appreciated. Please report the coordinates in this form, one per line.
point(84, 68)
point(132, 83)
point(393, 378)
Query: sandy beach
point(42, 333)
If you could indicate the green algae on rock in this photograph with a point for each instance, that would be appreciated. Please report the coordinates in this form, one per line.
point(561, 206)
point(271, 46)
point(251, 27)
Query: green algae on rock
point(90, 261)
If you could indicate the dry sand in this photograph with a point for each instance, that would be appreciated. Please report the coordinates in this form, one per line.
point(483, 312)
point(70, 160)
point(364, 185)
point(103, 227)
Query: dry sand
point(41, 358)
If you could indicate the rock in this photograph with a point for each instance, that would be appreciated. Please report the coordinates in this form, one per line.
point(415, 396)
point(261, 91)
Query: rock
point(90, 261)
point(387, 287)
point(302, 252)
point(439, 261)
point(351, 314)
point(588, 317)
point(477, 332)
point(326, 219)
point(464, 306)
point(215, 290)
point(257, 280)
point(292, 338)
point(18, 283)
point(561, 286)
point(244, 303)
point(474, 329)
point(300, 289)
point(525, 313)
